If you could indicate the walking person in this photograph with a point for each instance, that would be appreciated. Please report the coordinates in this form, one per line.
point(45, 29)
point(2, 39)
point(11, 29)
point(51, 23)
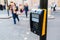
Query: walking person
point(53, 6)
point(21, 8)
point(26, 9)
point(14, 12)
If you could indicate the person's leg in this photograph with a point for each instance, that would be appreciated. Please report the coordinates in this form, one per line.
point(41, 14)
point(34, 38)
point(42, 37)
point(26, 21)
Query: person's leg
point(14, 21)
point(54, 8)
point(14, 18)
point(17, 17)
point(26, 13)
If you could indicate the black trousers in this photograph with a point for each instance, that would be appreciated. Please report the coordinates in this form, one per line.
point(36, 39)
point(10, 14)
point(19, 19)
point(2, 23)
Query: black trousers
point(26, 13)
point(54, 9)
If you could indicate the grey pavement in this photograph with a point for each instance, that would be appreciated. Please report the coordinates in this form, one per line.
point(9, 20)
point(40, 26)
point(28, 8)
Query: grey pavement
point(53, 27)
point(4, 14)
point(20, 31)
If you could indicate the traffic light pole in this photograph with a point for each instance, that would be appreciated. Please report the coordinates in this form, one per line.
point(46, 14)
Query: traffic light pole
point(44, 5)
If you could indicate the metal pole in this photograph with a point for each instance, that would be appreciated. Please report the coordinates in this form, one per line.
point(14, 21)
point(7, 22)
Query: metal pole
point(44, 5)
point(7, 8)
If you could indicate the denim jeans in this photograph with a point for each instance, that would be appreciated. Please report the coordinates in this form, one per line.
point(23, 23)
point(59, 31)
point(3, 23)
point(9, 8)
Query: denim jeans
point(14, 18)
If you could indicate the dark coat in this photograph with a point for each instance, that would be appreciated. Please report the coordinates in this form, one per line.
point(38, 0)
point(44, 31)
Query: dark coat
point(26, 8)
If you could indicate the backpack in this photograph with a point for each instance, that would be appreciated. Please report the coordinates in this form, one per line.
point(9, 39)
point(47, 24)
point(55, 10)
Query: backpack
point(16, 8)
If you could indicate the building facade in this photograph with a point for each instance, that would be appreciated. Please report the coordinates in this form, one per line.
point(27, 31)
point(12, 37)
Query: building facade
point(57, 2)
point(31, 3)
point(2, 2)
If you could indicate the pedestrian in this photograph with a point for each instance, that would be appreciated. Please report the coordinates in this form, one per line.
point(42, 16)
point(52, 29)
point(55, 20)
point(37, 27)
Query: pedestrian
point(26, 9)
point(21, 8)
point(53, 6)
point(14, 12)
point(1, 7)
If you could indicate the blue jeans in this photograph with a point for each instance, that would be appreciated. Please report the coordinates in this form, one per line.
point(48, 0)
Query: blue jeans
point(14, 18)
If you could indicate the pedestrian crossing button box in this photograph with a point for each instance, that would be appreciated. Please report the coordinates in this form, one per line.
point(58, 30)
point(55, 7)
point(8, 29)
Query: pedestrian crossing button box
point(36, 19)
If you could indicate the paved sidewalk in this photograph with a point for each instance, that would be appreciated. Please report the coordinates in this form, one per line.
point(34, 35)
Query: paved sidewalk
point(4, 14)
point(20, 31)
point(53, 27)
